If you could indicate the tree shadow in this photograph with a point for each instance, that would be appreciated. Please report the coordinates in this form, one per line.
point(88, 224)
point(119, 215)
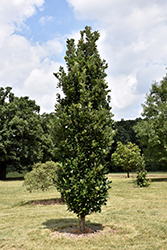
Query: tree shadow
point(20, 178)
point(158, 179)
point(71, 225)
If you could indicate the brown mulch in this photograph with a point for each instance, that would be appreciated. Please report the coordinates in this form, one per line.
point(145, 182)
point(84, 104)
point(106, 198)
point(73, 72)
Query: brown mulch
point(74, 232)
point(56, 201)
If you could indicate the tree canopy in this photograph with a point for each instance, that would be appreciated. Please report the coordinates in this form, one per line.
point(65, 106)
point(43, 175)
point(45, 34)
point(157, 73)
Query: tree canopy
point(82, 127)
point(127, 156)
point(23, 141)
point(152, 130)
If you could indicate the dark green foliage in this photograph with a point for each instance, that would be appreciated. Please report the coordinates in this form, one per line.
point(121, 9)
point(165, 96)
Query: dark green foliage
point(23, 138)
point(42, 177)
point(141, 180)
point(82, 127)
point(152, 130)
point(84, 188)
point(46, 138)
point(124, 133)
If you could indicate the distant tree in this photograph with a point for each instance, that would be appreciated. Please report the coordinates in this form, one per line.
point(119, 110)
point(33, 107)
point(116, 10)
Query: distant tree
point(82, 128)
point(124, 133)
point(42, 177)
point(152, 130)
point(22, 138)
point(127, 156)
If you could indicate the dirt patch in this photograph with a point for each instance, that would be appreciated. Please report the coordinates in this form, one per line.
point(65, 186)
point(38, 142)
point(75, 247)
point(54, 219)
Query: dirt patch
point(57, 201)
point(74, 232)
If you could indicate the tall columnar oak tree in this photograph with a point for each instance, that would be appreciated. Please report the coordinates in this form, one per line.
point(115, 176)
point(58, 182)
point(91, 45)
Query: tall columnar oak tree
point(127, 156)
point(152, 130)
point(23, 140)
point(82, 128)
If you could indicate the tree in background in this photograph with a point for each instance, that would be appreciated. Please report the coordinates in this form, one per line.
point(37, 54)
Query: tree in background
point(152, 130)
point(127, 156)
point(124, 133)
point(82, 128)
point(42, 177)
point(23, 140)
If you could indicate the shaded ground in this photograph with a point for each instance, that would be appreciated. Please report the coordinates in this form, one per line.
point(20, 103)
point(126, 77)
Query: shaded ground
point(134, 175)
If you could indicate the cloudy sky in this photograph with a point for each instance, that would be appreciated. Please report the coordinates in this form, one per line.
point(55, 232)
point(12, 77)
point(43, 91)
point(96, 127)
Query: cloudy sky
point(133, 41)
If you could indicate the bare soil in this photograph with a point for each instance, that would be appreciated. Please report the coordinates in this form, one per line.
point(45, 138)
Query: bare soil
point(56, 201)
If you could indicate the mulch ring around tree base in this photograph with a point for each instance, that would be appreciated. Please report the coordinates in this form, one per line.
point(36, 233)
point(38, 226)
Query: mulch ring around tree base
point(74, 232)
point(56, 201)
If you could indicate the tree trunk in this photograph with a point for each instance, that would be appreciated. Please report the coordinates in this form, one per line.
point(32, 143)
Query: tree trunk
point(2, 171)
point(128, 174)
point(82, 223)
point(62, 198)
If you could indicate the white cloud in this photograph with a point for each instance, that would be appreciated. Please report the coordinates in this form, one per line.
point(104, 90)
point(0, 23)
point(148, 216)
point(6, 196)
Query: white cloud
point(41, 85)
point(16, 11)
point(133, 42)
point(45, 19)
point(27, 67)
point(124, 88)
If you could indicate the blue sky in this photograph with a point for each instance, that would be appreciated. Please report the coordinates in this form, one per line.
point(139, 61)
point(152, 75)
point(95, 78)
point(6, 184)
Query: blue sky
point(55, 19)
point(133, 42)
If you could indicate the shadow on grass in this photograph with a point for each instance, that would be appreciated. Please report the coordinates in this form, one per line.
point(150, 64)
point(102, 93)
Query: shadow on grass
point(70, 225)
point(20, 178)
point(158, 179)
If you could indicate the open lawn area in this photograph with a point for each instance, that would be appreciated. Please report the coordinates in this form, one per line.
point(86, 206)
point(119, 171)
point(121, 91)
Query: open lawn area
point(134, 218)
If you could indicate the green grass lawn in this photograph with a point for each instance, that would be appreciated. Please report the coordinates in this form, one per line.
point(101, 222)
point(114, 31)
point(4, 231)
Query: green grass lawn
point(137, 217)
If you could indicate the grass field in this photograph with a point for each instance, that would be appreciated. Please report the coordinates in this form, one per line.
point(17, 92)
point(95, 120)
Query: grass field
point(134, 218)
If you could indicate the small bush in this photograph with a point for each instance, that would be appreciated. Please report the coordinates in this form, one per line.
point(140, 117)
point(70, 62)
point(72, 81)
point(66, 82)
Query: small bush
point(141, 180)
point(43, 176)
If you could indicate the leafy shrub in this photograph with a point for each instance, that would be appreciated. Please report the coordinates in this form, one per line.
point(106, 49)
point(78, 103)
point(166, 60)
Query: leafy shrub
point(43, 176)
point(141, 180)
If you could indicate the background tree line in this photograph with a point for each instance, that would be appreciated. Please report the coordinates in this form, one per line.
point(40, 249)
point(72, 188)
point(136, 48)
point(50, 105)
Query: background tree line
point(125, 133)
point(25, 136)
